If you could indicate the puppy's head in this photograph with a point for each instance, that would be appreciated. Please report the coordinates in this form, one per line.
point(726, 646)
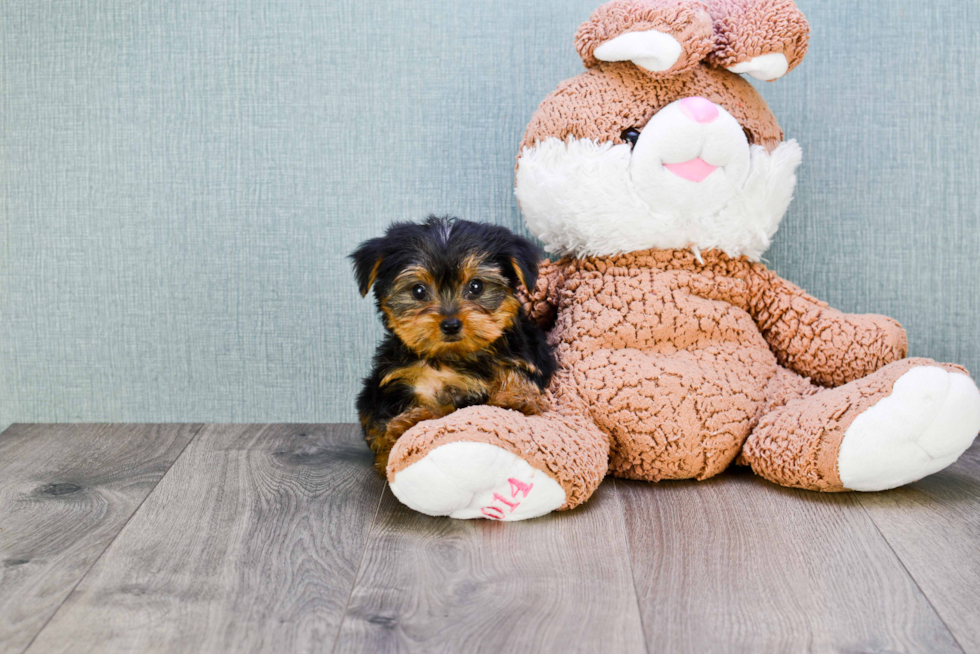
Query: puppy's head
point(446, 287)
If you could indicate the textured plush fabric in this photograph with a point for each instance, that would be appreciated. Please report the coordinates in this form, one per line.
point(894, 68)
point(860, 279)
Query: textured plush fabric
point(690, 25)
point(680, 359)
point(179, 183)
point(677, 360)
point(584, 198)
point(565, 443)
point(806, 335)
point(629, 98)
point(743, 32)
point(818, 422)
point(670, 366)
point(725, 32)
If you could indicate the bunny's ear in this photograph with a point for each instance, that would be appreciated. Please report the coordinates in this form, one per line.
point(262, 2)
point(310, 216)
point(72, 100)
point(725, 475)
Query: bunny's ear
point(661, 37)
point(762, 38)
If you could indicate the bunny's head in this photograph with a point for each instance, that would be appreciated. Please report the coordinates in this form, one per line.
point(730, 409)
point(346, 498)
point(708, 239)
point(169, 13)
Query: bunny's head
point(661, 143)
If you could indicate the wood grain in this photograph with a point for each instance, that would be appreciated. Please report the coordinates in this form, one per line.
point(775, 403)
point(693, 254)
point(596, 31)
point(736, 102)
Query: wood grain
point(251, 543)
point(737, 564)
point(934, 527)
point(556, 584)
point(260, 538)
point(65, 492)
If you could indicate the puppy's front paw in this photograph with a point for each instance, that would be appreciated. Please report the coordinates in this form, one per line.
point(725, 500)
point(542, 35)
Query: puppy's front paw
point(397, 426)
point(405, 421)
point(534, 405)
point(530, 402)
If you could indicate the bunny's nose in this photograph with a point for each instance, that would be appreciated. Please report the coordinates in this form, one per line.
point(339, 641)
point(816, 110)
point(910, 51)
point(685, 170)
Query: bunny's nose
point(700, 110)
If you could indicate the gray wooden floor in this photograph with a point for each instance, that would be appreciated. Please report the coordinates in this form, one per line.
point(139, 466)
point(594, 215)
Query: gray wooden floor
point(201, 538)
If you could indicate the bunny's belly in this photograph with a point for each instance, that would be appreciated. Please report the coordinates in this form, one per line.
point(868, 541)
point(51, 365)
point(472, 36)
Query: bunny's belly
point(677, 380)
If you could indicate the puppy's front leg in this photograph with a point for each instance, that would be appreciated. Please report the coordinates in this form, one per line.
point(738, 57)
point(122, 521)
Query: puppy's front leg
point(395, 428)
point(517, 392)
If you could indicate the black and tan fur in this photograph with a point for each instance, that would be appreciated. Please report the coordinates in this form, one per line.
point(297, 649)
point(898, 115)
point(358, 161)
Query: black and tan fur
point(448, 273)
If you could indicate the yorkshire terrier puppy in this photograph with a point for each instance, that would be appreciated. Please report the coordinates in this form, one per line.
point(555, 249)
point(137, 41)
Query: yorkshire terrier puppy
point(456, 334)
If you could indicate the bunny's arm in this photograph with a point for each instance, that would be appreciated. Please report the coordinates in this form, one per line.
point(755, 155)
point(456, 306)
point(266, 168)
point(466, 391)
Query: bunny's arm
point(816, 341)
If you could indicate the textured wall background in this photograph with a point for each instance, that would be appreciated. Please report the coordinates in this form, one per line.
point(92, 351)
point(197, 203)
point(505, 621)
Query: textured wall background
point(180, 181)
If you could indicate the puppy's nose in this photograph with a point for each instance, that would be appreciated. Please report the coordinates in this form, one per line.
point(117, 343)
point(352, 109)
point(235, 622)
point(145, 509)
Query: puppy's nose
point(700, 110)
point(451, 326)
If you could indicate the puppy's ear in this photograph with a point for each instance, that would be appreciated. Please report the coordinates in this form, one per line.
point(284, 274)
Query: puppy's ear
point(367, 260)
point(522, 256)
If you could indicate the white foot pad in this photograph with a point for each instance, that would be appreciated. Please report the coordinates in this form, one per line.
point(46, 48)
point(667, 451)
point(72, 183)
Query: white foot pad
point(476, 480)
point(927, 422)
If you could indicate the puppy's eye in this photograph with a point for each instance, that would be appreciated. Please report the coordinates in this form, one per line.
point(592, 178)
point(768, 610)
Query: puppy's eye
point(630, 135)
point(474, 288)
point(419, 292)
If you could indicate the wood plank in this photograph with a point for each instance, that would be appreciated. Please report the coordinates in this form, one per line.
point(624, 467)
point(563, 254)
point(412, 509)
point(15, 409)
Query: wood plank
point(737, 564)
point(558, 583)
point(65, 492)
point(251, 543)
point(934, 527)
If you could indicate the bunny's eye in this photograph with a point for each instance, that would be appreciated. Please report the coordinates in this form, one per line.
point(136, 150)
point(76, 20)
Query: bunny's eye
point(630, 135)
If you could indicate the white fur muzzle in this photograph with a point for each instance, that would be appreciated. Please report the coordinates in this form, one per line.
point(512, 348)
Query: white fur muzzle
point(585, 199)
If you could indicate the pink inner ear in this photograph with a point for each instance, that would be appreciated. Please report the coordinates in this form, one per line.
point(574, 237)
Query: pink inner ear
point(694, 170)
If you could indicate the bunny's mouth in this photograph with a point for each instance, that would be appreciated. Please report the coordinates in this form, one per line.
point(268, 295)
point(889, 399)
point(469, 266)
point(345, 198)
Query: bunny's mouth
point(695, 170)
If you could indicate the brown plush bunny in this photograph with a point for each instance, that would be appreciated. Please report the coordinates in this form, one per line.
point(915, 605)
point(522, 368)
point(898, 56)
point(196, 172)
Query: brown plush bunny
point(661, 175)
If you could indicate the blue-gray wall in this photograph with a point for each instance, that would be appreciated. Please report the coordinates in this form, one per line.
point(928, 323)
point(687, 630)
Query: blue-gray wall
point(180, 182)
